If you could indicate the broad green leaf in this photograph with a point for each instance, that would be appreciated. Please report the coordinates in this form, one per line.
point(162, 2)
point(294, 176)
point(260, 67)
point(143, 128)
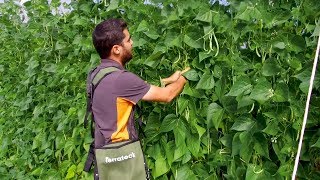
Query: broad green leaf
point(71, 172)
point(59, 45)
point(214, 115)
point(114, 4)
point(192, 43)
point(244, 101)
point(200, 130)
point(243, 124)
point(279, 45)
point(182, 104)
point(143, 26)
point(262, 91)
point(152, 34)
point(94, 58)
point(205, 17)
point(316, 31)
point(256, 172)
point(261, 145)
point(193, 144)
point(169, 123)
point(317, 144)
point(179, 152)
point(246, 152)
point(193, 92)
point(226, 140)
point(169, 150)
point(297, 43)
point(203, 56)
point(173, 39)
point(270, 67)
point(272, 128)
point(250, 12)
point(281, 93)
point(191, 75)
point(242, 85)
point(161, 167)
point(138, 42)
point(285, 169)
point(245, 137)
point(206, 81)
point(236, 144)
point(180, 134)
point(50, 68)
point(184, 172)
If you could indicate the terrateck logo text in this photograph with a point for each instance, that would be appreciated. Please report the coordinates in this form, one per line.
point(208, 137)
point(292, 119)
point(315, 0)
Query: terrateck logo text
point(120, 158)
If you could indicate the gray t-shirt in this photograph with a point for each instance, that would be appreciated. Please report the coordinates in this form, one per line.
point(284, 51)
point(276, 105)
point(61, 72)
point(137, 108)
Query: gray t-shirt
point(113, 104)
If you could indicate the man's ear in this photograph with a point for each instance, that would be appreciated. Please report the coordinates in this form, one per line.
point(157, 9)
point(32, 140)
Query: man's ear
point(116, 49)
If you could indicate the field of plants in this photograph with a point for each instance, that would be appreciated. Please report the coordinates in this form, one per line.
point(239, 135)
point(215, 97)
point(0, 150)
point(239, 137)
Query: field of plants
point(239, 116)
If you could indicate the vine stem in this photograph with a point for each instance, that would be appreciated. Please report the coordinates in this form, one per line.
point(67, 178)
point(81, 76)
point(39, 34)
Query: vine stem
point(306, 110)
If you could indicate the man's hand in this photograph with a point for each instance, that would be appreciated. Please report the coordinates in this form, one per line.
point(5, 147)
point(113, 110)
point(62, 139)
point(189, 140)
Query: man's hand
point(174, 77)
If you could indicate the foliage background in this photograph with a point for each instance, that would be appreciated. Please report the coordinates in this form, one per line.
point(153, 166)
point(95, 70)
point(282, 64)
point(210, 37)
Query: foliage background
point(239, 116)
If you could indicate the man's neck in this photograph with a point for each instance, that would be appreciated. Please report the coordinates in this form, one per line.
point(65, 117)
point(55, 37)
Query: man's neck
point(116, 60)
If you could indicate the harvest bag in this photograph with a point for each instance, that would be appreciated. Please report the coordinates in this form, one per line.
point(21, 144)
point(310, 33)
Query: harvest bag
point(121, 160)
point(115, 161)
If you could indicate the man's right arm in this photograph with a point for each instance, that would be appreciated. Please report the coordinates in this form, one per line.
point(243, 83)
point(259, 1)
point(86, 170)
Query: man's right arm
point(165, 94)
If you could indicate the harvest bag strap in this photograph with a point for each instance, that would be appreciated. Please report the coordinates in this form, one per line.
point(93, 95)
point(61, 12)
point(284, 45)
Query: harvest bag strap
point(91, 86)
point(92, 83)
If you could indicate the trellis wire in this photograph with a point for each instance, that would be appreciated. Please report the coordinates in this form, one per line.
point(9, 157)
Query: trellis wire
point(306, 110)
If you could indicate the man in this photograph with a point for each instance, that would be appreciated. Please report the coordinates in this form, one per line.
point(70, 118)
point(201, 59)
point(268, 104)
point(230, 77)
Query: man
point(115, 97)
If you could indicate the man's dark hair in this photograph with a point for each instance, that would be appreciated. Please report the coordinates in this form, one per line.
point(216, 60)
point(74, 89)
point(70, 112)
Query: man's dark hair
point(107, 34)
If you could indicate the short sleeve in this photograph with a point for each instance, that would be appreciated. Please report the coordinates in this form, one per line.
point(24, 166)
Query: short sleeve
point(131, 87)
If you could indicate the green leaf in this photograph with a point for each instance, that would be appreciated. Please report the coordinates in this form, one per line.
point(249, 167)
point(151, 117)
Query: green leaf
point(226, 140)
point(193, 144)
point(203, 56)
point(182, 104)
point(169, 123)
point(206, 81)
point(316, 31)
point(152, 34)
point(255, 172)
point(71, 172)
point(243, 124)
point(50, 68)
point(193, 92)
point(205, 17)
point(241, 86)
point(244, 101)
point(272, 128)
point(214, 115)
point(236, 144)
point(143, 26)
point(169, 150)
point(161, 167)
point(262, 91)
point(184, 172)
point(191, 75)
point(317, 144)
point(297, 43)
point(261, 145)
point(192, 43)
point(279, 45)
point(270, 67)
point(200, 130)
point(281, 93)
point(114, 4)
